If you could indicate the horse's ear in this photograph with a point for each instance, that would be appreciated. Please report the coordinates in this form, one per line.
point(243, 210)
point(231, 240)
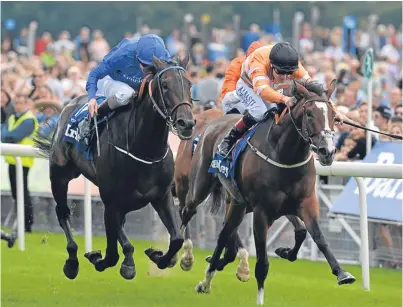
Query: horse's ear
point(331, 88)
point(184, 63)
point(157, 63)
point(301, 89)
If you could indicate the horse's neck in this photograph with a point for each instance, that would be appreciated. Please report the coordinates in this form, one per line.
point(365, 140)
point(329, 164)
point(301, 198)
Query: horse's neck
point(148, 134)
point(288, 146)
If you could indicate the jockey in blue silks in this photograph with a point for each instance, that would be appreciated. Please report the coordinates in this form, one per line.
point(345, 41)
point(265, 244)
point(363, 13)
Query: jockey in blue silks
point(118, 77)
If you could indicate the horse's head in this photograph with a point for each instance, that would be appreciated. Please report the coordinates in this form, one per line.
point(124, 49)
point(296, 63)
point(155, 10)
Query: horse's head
point(317, 120)
point(174, 103)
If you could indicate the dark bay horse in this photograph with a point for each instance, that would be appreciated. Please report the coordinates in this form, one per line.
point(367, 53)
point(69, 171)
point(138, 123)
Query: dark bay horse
point(181, 178)
point(135, 167)
point(275, 176)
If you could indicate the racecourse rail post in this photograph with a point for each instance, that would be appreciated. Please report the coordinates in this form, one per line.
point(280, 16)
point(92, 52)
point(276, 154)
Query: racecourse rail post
point(20, 204)
point(364, 252)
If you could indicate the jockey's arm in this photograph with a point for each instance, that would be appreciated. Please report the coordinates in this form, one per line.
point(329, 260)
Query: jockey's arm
point(99, 72)
point(258, 74)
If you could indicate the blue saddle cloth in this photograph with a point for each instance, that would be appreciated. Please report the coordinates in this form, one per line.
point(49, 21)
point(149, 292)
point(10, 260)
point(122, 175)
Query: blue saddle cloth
point(71, 135)
point(226, 168)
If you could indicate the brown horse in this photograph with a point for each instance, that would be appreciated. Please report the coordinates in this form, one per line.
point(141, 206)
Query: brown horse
point(275, 176)
point(181, 187)
point(182, 168)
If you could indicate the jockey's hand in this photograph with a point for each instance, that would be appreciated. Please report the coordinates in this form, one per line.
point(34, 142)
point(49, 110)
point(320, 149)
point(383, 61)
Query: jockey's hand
point(290, 102)
point(92, 107)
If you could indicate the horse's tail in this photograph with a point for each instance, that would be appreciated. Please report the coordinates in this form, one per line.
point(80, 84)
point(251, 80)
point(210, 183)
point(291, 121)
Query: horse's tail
point(216, 200)
point(44, 143)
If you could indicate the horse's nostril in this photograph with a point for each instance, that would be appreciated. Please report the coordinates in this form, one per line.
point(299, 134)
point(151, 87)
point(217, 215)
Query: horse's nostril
point(322, 151)
point(181, 122)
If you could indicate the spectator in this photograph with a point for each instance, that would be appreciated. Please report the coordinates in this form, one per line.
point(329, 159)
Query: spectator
point(98, 47)
point(382, 117)
point(208, 87)
point(73, 85)
point(82, 42)
point(398, 110)
point(7, 107)
point(64, 44)
point(20, 129)
point(396, 127)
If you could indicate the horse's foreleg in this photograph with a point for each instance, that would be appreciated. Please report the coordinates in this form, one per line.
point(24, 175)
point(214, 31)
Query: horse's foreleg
point(309, 213)
point(59, 185)
point(187, 259)
point(300, 235)
point(260, 227)
point(234, 248)
point(112, 220)
point(233, 219)
point(165, 210)
point(201, 184)
point(128, 268)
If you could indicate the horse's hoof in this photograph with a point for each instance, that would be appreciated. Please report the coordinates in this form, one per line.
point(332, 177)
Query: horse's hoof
point(10, 243)
point(243, 276)
point(70, 268)
point(208, 259)
point(187, 263)
point(153, 254)
point(100, 265)
point(201, 288)
point(345, 278)
point(93, 256)
point(284, 252)
point(127, 272)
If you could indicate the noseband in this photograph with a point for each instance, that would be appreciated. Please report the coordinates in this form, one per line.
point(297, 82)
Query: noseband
point(167, 116)
point(308, 134)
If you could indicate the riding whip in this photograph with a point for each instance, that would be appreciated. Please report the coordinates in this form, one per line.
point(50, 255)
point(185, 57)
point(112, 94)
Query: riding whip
point(398, 137)
point(97, 134)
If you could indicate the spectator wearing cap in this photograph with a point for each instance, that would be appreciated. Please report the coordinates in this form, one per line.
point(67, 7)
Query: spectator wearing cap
point(382, 116)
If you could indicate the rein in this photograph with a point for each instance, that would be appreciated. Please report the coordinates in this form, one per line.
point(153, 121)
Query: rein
point(162, 111)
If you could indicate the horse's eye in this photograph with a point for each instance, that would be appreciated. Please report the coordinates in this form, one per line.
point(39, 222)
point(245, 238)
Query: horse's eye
point(309, 113)
point(164, 84)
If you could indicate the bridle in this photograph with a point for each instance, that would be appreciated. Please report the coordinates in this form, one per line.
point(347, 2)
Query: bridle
point(306, 134)
point(163, 111)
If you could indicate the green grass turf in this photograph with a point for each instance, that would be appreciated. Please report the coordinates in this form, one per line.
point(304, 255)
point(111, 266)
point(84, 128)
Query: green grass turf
point(35, 278)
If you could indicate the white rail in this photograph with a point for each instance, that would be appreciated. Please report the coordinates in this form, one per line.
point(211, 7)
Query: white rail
point(345, 169)
point(29, 151)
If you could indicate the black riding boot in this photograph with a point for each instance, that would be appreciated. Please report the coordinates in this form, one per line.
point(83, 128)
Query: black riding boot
point(235, 134)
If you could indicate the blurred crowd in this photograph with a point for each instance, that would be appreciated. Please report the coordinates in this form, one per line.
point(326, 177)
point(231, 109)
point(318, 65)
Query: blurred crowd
point(57, 71)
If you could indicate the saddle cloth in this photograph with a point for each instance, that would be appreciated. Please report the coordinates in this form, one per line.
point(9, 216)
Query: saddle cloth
point(83, 144)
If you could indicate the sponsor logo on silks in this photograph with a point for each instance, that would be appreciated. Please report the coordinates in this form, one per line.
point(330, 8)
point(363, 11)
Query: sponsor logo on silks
point(71, 133)
point(220, 166)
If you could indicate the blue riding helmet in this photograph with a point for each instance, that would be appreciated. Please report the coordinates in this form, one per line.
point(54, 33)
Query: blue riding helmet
point(151, 45)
